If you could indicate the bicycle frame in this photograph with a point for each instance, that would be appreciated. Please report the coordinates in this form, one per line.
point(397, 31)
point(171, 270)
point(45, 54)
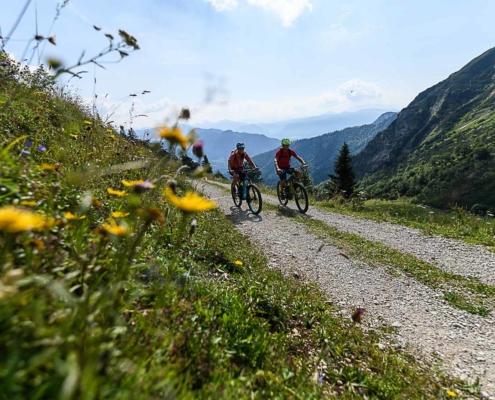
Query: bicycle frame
point(244, 182)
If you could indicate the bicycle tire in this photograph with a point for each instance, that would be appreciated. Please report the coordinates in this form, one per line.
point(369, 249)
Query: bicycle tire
point(282, 201)
point(236, 195)
point(254, 200)
point(301, 197)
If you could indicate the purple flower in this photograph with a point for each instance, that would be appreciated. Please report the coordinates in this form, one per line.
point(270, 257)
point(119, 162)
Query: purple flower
point(198, 149)
point(28, 143)
point(41, 148)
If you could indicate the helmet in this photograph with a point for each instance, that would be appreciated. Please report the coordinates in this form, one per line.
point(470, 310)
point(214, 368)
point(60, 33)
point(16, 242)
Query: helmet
point(285, 141)
point(240, 145)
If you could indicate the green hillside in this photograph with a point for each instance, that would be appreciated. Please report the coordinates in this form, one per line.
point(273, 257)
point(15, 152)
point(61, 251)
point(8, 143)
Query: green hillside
point(441, 149)
point(108, 290)
point(320, 152)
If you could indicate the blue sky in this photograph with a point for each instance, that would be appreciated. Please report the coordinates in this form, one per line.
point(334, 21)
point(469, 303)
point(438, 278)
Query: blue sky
point(259, 60)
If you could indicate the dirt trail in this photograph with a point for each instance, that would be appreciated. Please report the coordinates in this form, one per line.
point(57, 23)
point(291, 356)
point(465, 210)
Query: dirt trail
point(424, 321)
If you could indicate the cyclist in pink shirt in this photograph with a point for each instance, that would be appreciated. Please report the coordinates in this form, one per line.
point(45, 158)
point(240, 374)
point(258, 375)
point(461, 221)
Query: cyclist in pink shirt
point(236, 162)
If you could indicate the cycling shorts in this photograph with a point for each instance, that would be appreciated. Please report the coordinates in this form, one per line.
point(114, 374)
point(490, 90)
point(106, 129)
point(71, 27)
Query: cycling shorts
point(284, 171)
point(240, 173)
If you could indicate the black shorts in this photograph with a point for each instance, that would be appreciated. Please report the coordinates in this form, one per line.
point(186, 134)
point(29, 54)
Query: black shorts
point(240, 173)
point(284, 171)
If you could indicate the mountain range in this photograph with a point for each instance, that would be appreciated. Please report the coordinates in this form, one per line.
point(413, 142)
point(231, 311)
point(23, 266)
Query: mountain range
point(299, 128)
point(440, 149)
point(320, 152)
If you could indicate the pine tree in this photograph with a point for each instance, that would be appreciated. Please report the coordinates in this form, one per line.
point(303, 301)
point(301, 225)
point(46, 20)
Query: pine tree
point(307, 180)
point(344, 178)
point(206, 163)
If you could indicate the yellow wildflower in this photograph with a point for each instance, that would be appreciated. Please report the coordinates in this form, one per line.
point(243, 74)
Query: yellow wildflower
point(29, 203)
point(109, 131)
point(238, 262)
point(119, 214)
point(451, 393)
point(132, 183)
point(13, 220)
point(174, 136)
point(88, 122)
point(49, 167)
point(68, 215)
point(190, 203)
point(74, 136)
point(96, 202)
point(35, 244)
point(114, 229)
point(119, 193)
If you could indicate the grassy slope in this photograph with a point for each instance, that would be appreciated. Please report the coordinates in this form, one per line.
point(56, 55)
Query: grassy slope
point(155, 313)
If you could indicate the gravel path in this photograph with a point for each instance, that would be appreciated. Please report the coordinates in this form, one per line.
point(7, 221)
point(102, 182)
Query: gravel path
point(465, 342)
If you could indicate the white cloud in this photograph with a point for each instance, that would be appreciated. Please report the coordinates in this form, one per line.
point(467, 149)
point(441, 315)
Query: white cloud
point(287, 10)
point(357, 90)
point(352, 95)
point(223, 5)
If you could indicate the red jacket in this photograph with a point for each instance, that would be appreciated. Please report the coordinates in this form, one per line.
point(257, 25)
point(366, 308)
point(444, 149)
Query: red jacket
point(236, 160)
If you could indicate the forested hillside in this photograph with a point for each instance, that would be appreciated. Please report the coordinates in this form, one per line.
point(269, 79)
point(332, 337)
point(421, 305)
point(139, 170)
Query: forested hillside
point(440, 150)
point(320, 152)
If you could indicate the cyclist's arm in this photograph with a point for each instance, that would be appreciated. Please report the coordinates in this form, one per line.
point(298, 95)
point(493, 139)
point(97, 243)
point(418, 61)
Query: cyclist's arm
point(301, 160)
point(275, 161)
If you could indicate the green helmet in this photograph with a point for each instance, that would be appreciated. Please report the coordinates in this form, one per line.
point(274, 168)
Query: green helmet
point(285, 141)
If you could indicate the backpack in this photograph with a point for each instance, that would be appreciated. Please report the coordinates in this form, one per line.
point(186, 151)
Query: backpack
point(282, 152)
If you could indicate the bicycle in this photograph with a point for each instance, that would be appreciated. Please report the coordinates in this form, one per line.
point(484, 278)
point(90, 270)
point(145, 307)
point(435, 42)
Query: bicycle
point(246, 190)
point(294, 190)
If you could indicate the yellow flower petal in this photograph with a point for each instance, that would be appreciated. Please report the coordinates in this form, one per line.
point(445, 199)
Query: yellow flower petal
point(68, 215)
point(119, 214)
point(174, 136)
point(451, 393)
point(49, 167)
point(28, 203)
point(119, 193)
point(132, 183)
point(88, 122)
point(113, 229)
point(74, 136)
point(238, 262)
point(190, 203)
point(13, 220)
point(109, 131)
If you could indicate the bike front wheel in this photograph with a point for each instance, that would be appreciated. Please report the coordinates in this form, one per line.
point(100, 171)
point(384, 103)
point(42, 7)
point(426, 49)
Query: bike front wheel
point(282, 200)
point(236, 195)
point(301, 197)
point(254, 199)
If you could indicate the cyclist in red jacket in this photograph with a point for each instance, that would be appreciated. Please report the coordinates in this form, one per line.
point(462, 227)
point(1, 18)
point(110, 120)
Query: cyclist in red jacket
point(282, 163)
point(236, 162)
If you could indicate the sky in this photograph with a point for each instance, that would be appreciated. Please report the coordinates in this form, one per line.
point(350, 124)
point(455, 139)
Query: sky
point(252, 60)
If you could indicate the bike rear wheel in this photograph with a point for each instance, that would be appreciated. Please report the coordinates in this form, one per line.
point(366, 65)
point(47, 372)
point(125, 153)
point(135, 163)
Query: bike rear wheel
point(236, 195)
point(284, 200)
point(301, 197)
point(254, 200)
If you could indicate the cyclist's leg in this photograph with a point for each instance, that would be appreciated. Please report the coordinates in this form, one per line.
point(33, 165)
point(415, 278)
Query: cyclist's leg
point(297, 173)
point(283, 180)
point(236, 177)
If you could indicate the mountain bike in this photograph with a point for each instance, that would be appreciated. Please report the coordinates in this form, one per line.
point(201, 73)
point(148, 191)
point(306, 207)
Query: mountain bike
point(247, 190)
point(294, 190)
